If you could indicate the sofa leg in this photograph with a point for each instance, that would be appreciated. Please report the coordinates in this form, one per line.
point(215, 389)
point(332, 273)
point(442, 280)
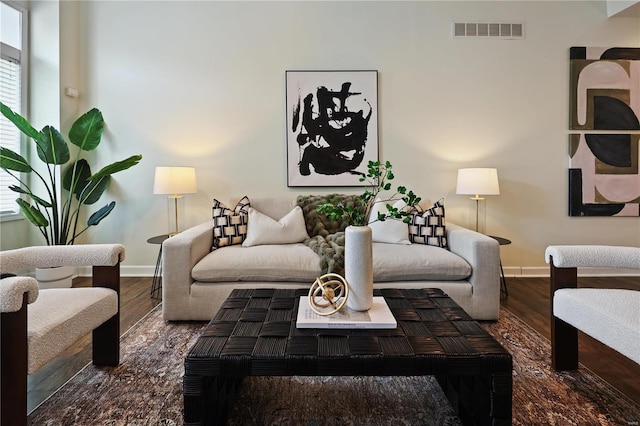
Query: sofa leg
point(106, 342)
point(13, 386)
point(564, 337)
point(564, 346)
point(106, 338)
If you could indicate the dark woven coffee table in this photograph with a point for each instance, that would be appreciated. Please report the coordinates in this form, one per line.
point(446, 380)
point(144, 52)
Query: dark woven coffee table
point(255, 334)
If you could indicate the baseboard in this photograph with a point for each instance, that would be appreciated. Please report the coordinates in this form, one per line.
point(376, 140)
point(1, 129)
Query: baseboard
point(543, 271)
point(125, 271)
point(509, 271)
point(518, 271)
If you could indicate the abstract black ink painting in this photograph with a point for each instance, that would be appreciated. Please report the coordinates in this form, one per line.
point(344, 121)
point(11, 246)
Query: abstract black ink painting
point(332, 126)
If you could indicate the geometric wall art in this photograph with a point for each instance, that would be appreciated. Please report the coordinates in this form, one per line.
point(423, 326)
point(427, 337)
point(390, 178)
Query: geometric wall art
point(332, 126)
point(604, 177)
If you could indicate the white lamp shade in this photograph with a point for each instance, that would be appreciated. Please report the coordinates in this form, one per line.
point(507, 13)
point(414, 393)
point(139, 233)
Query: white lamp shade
point(175, 180)
point(478, 181)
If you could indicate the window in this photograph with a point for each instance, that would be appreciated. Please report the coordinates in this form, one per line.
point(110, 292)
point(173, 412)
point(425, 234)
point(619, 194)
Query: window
point(12, 40)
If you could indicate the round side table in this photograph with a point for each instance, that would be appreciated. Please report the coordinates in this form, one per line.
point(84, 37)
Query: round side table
point(503, 280)
point(156, 287)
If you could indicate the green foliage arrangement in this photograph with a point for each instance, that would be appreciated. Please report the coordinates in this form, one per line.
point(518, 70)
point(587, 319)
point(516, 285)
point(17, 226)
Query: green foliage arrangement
point(57, 219)
point(377, 178)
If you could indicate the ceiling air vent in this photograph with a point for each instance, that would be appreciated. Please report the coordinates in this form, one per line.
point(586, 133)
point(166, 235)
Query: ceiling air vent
point(502, 30)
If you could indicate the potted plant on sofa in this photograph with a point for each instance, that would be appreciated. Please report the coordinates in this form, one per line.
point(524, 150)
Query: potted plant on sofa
point(57, 218)
point(358, 257)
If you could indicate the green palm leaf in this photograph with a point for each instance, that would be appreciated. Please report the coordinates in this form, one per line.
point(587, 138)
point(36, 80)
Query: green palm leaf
point(94, 190)
point(86, 132)
point(19, 121)
point(116, 167)
point(38, 200)
point(101, 214)
point(75, 183)
point(31, 213)
point(52, 148)
point(10, 160)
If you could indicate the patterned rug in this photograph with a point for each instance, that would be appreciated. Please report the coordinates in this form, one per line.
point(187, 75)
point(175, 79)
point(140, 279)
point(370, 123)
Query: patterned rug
point(146, 389)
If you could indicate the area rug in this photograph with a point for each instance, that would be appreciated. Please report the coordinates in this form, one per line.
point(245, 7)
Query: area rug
point(146, 389)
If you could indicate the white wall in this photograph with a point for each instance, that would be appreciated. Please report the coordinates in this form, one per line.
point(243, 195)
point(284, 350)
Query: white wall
point(202, 84)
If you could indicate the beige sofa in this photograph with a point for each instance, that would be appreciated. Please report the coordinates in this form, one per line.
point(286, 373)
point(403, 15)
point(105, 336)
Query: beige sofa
point(196, 279)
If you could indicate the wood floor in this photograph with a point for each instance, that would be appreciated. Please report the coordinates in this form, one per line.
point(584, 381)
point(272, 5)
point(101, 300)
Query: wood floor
point(528, 299)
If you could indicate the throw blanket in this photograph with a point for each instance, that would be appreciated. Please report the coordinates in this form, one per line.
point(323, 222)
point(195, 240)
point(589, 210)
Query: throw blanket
point(326, 236)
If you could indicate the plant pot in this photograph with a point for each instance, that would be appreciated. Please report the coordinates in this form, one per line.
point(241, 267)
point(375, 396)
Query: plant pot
point(55, 277)
point(358, 267)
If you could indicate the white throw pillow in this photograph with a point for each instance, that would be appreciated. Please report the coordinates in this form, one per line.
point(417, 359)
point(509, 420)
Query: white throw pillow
point(393, 231)
point(261, 229)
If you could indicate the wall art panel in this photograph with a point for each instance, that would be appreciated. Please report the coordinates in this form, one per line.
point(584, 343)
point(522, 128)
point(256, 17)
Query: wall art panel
point(603, 175)
point(605, 106)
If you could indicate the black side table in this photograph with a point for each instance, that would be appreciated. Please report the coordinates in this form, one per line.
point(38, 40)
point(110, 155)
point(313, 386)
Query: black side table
point(503, 281)
point(156, 287)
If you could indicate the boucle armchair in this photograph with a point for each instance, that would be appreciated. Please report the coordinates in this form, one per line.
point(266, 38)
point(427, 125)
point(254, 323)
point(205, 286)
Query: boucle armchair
point(37, 325)
point(611, 316)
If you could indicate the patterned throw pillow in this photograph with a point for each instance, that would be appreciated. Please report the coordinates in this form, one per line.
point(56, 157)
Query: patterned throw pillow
point(428, 227)
point(230, 226)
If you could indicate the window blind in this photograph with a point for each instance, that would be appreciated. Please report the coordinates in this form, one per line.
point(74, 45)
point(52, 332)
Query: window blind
point(10, 95)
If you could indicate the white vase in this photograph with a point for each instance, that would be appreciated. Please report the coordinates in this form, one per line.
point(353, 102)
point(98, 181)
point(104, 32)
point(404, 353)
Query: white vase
point(358, 267)
point(56, 277)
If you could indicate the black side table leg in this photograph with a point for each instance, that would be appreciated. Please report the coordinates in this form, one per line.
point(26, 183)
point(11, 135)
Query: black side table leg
point(156, 287)
point(503, 282)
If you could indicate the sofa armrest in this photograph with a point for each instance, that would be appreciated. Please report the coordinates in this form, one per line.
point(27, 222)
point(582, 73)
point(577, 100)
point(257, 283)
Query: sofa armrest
point(576, 256)
point(483, 254)
point(25, 258)
point(12, 291)
point(180, 254)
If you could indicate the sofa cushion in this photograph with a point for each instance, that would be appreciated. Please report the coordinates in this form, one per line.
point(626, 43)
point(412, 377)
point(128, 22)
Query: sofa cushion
point(262, 229)
point(284, 262)
point(61, 316)
point(397, 262)
point(393, 231)
point(230, 226)
point(428, 227)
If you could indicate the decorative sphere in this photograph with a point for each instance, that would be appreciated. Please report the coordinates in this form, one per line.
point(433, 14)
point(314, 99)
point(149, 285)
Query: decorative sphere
point(328, 294)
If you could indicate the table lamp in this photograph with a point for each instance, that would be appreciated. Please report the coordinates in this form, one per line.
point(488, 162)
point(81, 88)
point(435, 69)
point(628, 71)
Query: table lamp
point(175, 181)
point(477, 182)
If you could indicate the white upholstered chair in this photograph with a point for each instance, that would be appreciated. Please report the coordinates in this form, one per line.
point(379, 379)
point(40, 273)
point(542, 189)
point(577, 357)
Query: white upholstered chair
point(37, 325)
point(611, 316)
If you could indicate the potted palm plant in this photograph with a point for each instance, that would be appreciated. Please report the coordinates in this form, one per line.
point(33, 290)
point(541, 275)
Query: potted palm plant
point(39, 188)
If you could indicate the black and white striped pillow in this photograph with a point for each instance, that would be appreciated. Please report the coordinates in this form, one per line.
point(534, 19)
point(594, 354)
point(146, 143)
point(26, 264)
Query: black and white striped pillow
point(230, 226)
point(429, 227)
